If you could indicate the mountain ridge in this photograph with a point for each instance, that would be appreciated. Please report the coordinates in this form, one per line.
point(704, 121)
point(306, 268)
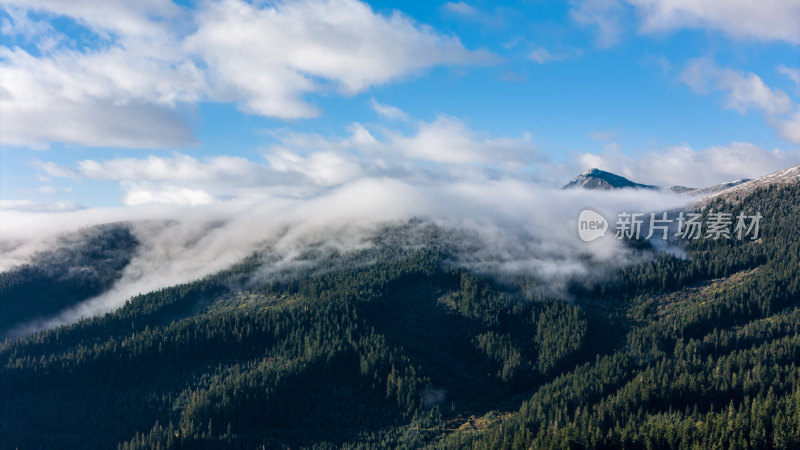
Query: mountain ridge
point(780, 178)
point(605, 181)
point(597, 179)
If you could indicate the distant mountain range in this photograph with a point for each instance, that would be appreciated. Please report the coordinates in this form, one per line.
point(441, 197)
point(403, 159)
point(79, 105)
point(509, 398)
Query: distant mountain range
point(605, 181)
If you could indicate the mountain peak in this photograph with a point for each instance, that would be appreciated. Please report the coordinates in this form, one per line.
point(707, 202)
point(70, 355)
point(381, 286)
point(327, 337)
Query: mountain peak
point(595, 178)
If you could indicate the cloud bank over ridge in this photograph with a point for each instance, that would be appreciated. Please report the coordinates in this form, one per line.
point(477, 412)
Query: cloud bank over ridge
point(519, 228)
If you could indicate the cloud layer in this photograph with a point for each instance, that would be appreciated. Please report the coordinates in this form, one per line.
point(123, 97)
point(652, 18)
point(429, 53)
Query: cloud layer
point(155, 59)
point(302, 164)
point(517, 227)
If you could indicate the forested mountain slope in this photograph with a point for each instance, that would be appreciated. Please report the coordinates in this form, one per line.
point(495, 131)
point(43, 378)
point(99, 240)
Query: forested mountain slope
point(394, 345)
point(79, 266)
point(710, 355)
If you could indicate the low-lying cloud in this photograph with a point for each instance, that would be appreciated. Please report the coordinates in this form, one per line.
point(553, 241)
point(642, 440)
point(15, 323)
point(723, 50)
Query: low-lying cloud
point(516, 227)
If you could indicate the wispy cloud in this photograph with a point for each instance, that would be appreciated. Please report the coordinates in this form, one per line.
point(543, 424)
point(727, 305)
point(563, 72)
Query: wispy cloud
point(460, 8)
point(494, 18)
point(388, 111)
point(792, 73)
point(45, 190)
point(790, 127)
point(26, 205)
point(744, 92)
point(544, 56)
point(604, 16)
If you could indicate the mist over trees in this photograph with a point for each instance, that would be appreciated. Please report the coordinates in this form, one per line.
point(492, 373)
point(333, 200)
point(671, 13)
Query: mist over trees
point(82, 265)
point(394, 345)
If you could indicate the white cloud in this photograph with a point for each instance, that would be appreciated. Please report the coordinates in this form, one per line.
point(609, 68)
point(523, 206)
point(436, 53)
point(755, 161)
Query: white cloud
point(152, 59)
point(543, 56)
point(267, 58)
point(26, 205)
point(602, 15)
point(20, 24)
point(792, 73)
point(448, 140)
point(54, 170)
point(767, 20)
point(743, 91)
point(764, 19)
point(182, 179)
point(460, 8)
point(302, 164)
point(176, 168)
point(45, 190)
point(388, 111)
point(142, 17)
point(790, 128)
point(323, 168)
point(139, 194)
point(120, 97)
point(94, 124)
point(495, 18)
point(751, 92)
point(685, 166)
point(511, 227)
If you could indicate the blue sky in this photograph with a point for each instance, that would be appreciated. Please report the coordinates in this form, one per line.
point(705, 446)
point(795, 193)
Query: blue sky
point(129, 103)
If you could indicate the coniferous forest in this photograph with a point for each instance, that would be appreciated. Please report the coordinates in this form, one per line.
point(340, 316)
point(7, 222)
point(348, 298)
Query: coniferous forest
point(397, 346)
